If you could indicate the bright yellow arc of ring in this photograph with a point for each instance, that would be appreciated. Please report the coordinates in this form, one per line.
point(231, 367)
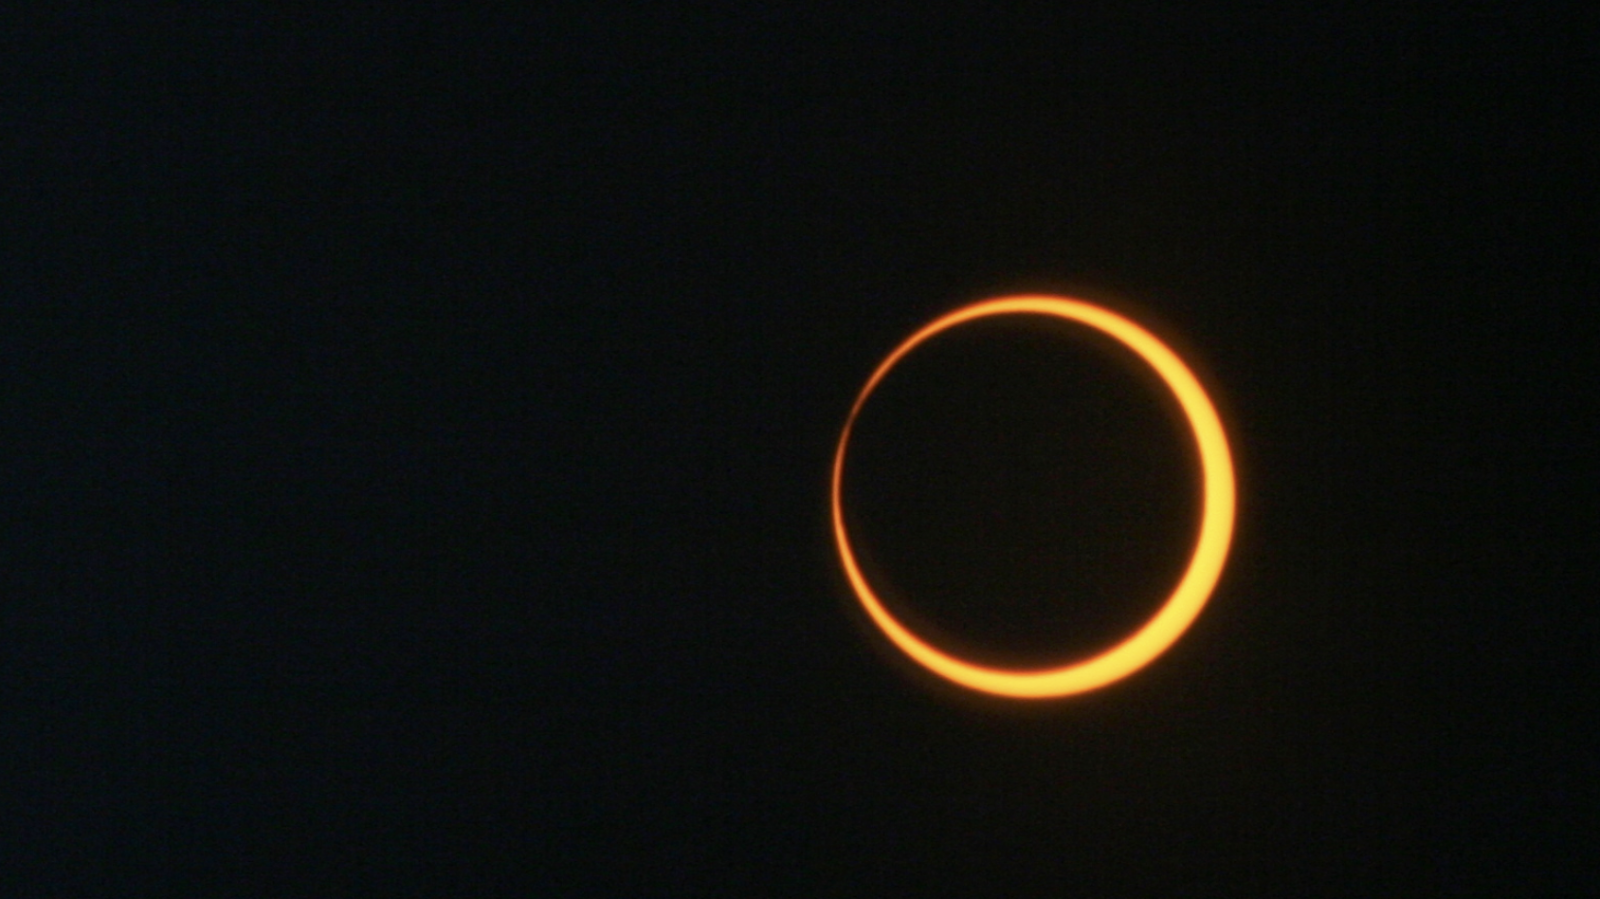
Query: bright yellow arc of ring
point(1205, 566)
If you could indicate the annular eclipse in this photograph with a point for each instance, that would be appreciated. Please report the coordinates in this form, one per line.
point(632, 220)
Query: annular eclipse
point(1193, 589)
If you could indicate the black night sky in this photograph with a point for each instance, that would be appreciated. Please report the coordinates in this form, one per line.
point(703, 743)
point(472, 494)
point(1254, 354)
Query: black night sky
point(417, 433)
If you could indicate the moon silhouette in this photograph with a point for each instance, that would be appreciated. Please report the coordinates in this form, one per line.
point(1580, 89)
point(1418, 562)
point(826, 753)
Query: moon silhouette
point(1193, 589)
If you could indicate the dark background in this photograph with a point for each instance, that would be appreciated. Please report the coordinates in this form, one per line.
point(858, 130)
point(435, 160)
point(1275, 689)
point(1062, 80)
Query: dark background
point(417, 429)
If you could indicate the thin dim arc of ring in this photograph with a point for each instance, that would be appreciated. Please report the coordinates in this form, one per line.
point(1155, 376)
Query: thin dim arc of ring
point(1193, 589)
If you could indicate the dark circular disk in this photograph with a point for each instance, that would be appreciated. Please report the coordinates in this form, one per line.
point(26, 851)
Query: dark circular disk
point(1022, 491)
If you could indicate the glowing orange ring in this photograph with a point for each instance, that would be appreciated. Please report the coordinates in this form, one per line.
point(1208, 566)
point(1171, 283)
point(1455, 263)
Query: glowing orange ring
point(1205, 566)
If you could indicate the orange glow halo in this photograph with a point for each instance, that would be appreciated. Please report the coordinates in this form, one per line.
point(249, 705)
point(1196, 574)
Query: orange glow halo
point(1205, 567)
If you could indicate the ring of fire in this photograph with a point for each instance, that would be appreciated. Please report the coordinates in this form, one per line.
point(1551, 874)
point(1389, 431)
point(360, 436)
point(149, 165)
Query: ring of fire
point(1194, 588)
